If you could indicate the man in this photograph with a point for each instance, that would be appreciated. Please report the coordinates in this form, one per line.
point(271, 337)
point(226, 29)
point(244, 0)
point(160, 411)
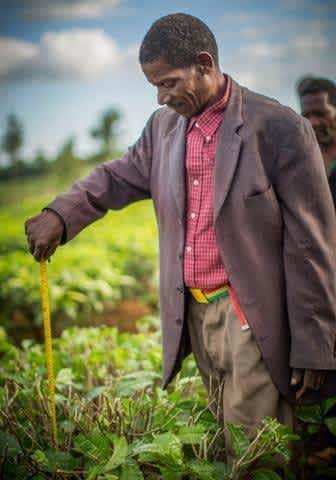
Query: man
point(243, 209)
point(318, 104)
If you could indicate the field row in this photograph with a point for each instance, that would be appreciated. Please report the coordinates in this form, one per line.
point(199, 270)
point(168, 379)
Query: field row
point(113, 260)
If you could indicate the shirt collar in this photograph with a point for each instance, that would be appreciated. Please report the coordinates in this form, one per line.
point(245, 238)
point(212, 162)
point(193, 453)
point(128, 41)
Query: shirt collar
point(213, 111)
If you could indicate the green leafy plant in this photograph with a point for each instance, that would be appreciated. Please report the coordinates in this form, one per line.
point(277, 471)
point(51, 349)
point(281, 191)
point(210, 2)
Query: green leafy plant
point(114, 421)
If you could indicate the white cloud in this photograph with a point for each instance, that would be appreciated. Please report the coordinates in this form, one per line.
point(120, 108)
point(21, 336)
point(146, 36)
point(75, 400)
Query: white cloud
point(35, 10)
point(272, 55)
point(260, 50)
point(71, 54)
point(13, 53)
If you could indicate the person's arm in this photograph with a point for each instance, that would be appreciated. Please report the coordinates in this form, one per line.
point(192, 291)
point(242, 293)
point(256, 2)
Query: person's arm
point(112, 185)
point(309, 246)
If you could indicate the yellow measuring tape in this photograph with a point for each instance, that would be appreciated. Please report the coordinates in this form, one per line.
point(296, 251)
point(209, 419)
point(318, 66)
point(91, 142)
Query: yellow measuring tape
point(48, 348)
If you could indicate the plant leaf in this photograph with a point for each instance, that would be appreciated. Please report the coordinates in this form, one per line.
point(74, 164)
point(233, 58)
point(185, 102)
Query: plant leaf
point(328, 404)
point(119, 455)
point(64, 377)
point(192, 434)
point(94, 393)
point(265, 474)
point(131, 471)
point(9, 442)
point(95, 446)
point(331, 424)
point(204, 470)
point(60, 460)
point(310, 413)
point(239, 440)
point(166, 449)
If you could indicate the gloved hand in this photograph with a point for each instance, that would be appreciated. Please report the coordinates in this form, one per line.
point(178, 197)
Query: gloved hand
point(307, 380)
point(44, 233)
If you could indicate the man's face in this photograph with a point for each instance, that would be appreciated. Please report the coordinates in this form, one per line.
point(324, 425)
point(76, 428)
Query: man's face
point(184, 90)
point(322, 115)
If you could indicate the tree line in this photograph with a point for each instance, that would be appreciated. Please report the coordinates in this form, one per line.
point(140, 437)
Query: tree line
point(66, 161)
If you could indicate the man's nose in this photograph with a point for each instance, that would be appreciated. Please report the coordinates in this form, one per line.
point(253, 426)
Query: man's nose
point(163, 98)
point(315, 121)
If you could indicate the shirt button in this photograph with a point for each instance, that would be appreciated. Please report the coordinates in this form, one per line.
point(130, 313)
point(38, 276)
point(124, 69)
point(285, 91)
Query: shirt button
point(208, 139)
point(196, 182)
point(188, 249)
point(193, 215)
point(197, 125)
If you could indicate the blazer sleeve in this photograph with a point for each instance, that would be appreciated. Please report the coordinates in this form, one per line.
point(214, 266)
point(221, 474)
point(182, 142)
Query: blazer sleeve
point(309, 246)
point(111, 185)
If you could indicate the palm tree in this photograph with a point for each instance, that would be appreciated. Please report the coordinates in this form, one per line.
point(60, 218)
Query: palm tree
point(12, 140)
point(106, 131)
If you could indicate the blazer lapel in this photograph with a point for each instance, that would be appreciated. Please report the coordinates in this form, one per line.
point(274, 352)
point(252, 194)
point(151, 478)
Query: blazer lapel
point(177, 147)
point(227, 148)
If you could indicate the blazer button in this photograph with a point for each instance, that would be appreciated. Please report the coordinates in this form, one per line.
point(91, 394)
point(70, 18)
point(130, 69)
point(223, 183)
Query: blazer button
point(179, 321)
point(180, 289)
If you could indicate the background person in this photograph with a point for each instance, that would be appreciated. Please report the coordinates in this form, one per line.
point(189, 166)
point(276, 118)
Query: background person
point(318, 104)
point(246, 226)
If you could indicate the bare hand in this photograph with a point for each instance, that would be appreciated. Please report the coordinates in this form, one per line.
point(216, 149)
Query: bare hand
point(44, 233)
point(307, 380)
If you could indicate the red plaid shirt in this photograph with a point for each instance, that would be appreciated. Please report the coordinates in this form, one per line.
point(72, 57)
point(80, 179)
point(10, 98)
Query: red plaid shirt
point(203, 267)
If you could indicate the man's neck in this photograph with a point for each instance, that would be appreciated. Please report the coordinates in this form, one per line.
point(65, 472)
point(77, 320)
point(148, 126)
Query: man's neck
point(329, 156)
point(219, 89)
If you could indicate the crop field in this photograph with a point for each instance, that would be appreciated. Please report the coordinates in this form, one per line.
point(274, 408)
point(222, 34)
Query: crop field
point(110, 263)
point(114, 422)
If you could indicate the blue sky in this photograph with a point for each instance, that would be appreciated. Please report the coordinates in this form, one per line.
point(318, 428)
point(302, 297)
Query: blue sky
point(64, 62)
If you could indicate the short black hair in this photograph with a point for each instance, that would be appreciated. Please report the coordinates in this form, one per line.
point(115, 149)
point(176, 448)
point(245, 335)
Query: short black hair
point(178, 38)
point(314, 84)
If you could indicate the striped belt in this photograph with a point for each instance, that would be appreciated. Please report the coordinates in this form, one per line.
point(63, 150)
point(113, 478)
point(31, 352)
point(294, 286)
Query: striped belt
point(209, 296)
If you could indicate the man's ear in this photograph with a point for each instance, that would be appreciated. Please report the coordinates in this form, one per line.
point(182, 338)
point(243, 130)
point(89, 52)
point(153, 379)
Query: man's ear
point(205, 63)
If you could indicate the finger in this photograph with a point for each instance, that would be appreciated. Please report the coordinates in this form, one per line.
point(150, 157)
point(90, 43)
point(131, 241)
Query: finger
point(44, 253)
point(323, 377)
point(319, 380)
point(313, 379)
point(301, 392)
point(296, 378)
point(49, 251)
point(31, 247)
point(28, 224)
point(38, 253)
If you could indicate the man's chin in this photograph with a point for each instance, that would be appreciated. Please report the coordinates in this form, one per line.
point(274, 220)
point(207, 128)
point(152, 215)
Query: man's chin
point(325, 141)
point(183, 111)
point(325, 137)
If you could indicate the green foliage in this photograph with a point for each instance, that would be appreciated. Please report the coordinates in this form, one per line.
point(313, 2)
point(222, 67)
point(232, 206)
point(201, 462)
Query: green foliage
point(317, 428)
point(265, 474)
point(101, 267)
point(272, 443)
point(113, 421)
point(67, 164)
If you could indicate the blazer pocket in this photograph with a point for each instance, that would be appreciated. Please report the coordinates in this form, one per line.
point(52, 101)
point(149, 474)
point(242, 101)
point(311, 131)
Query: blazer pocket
point(258, 195)
point(263, 209)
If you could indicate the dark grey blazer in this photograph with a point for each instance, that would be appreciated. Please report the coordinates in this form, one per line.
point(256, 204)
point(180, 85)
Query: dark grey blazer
point(274, 221)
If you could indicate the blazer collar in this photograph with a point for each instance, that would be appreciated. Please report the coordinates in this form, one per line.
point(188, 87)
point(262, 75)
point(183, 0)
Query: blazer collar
point(228, 148)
